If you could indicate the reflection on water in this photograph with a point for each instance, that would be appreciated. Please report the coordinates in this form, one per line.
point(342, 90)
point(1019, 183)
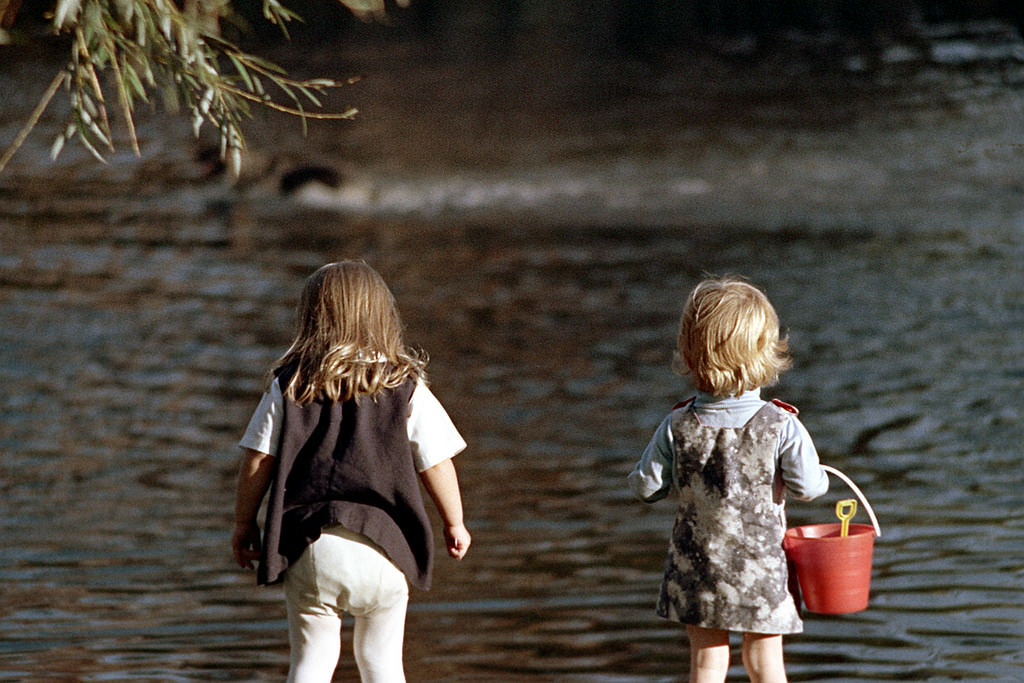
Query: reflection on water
point(139, 317)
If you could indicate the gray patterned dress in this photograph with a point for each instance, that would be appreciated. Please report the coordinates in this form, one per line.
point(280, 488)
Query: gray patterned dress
point(726, 568)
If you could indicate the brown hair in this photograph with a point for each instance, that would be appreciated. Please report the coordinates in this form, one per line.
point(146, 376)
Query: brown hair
point(349, 341)
point(729, 338)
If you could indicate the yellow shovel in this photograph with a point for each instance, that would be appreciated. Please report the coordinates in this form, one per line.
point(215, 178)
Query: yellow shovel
point(845, 510)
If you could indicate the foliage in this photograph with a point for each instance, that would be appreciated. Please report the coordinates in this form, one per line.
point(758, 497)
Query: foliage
point(174, 47)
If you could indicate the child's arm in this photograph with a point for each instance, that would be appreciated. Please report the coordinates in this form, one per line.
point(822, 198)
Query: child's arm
point(254, 477)
point(798, 458)
point(651, 479)
point(442, 484)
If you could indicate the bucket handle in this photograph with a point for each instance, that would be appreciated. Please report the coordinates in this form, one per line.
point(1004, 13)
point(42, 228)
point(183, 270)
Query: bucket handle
point(860, 494)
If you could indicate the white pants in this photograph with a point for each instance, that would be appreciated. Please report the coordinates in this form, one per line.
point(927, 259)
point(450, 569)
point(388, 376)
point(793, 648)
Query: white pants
point(345, 572)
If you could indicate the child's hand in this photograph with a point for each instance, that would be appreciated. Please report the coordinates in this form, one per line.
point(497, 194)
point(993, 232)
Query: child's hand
point(245, 544)
point(457, 538)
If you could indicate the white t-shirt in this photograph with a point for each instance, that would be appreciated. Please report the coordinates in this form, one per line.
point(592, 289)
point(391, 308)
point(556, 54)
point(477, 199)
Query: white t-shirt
point(432, 434)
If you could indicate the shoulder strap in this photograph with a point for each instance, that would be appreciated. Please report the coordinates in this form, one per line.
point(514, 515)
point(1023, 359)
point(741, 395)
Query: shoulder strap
point(785, 406)
point(683, 404)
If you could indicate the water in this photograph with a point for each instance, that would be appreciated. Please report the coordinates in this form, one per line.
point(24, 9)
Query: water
point(141, 307)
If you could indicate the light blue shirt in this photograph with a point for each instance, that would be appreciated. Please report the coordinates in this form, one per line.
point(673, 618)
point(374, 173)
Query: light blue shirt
point(796, 458)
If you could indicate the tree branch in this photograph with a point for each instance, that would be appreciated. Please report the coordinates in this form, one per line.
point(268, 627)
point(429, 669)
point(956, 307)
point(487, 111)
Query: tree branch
point(33, 119)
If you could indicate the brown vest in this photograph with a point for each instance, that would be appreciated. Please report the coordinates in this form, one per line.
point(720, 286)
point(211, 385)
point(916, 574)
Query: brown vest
point(347, 464)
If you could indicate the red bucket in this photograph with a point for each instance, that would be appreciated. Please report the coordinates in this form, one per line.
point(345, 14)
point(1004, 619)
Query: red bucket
point(834, 571)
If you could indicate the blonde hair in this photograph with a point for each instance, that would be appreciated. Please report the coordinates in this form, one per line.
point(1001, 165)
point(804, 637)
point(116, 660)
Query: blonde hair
point(729, 339)
point(349, 341)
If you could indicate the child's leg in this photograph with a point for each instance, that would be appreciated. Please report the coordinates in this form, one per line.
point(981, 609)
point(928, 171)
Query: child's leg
point(355, 577)
point(377, 644)
point(314, 629)
point(709, 654)
point(762, 657)
point(315, 641)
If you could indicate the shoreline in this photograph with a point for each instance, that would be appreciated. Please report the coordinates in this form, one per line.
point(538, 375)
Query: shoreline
point(701, 141)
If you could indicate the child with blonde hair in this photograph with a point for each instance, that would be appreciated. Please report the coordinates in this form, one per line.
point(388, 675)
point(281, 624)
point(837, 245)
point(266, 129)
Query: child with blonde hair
point(732, 456)
point(342, 438)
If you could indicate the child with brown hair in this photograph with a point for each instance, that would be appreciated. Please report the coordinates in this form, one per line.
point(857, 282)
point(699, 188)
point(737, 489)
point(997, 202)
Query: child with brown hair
point(732, 456)
point(342, 438)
